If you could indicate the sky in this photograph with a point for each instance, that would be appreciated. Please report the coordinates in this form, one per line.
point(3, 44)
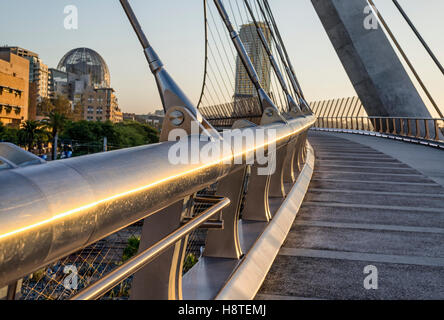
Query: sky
point(175, 29)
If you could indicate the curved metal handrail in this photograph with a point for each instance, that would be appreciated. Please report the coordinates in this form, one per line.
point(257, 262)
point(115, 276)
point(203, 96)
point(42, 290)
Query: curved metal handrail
point(106, 193)
point(137, 262)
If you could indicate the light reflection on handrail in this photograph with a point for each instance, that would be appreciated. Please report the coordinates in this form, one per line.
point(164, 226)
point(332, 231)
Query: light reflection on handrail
point(112, 279)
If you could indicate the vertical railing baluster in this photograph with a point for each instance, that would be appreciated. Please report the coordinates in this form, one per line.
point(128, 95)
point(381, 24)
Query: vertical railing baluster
point(417, 128)
point(427, 133)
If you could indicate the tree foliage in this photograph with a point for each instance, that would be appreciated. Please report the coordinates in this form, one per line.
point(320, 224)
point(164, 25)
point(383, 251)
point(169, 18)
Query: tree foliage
point(85, 136)
point(30, 133)
point(119, 135)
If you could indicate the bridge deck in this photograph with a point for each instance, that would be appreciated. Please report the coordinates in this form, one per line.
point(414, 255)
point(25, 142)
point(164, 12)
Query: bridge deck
point(364, 207)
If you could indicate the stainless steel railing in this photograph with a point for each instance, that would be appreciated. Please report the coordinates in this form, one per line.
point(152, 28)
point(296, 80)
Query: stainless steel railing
point(413, 128)
point(72, 203)
point(99, 288)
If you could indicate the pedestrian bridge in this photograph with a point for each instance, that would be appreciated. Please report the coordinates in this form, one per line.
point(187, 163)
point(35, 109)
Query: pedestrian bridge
point(371, 201)
point(359, 201)
point(346, 206)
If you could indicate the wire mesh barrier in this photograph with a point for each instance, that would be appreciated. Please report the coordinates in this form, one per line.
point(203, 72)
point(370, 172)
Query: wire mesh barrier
point(89, 264)
point(196, 240)
point(92, 263)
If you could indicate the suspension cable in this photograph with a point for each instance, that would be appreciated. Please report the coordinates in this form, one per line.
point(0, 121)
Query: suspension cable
point(407, 60)
point(418, 35)
point(206, 53)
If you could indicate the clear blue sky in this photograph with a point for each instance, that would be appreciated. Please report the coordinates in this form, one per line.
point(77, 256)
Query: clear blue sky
point(175, 29)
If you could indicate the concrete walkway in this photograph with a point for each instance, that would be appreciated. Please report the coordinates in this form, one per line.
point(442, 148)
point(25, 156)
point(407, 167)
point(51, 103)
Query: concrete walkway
point(370, 202)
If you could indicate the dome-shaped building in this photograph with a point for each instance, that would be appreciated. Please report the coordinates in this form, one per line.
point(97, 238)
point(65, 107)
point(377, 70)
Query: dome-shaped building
point(84, 61)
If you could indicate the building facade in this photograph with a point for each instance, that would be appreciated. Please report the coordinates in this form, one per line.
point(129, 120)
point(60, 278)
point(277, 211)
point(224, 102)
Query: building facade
point(14, 89)
point(38, 77)
point(100, 104)
point(244, 87)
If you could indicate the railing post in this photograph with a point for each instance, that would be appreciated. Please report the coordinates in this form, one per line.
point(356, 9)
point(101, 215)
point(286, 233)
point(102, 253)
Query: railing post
point(301, 153)
point(417, 128)
point(427, 132)
point(225, 243)
point(402, 126)
point(289, 174)
point(256, 206)
point(161, 280)
point(435, 124)
point(387, 123)
point(409, 128)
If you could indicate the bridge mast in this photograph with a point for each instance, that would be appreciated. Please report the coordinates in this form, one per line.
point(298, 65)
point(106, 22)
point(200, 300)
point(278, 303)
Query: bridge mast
point(370, 61)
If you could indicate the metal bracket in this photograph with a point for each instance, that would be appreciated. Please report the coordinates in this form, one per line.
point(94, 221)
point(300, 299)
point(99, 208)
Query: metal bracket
point(225, 243)
point(182, 118)
point(272, 115)
point(165, 276)
point(256, 206)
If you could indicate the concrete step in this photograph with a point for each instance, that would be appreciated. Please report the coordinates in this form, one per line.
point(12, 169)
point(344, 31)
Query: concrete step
point(370, 177)
point(356, 158)
point(419, 244)
point(368, 163)
point(370, 216)
point(370, 169)
point(321, 278)
point(413, 187)
point(381, 198)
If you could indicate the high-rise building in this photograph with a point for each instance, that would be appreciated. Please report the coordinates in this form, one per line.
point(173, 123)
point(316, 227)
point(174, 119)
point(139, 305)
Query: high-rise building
point(58, 83)
point(14, 88)
point(38, 77)
point(244, 87)
point(100, 104)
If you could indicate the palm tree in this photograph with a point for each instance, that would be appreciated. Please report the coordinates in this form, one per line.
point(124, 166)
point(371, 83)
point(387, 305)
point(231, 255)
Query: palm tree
point(29, 132)
point(55, 122)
